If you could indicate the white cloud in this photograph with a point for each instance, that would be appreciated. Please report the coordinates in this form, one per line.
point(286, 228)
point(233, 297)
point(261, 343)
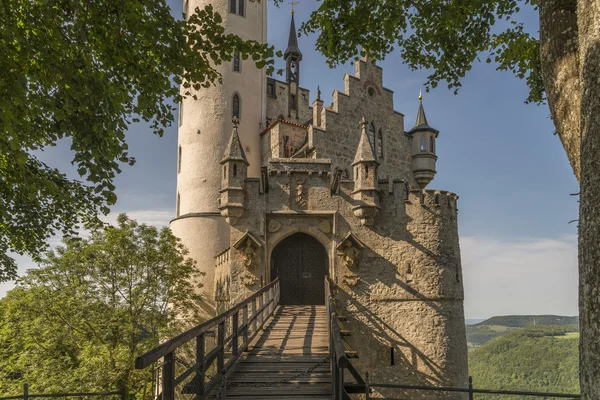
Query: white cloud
point(158, 218)
point(520, 276)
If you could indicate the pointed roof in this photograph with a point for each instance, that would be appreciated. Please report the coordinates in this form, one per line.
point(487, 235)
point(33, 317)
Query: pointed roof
point(293, 48)
point(364, 153)
point(421, 124)
point(234, 150)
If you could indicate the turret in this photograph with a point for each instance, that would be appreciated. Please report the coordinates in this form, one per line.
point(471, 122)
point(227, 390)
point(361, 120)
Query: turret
point(204, 124)
point(317, 109)
point(233, 181)
point(423, 148)
point(365, 194)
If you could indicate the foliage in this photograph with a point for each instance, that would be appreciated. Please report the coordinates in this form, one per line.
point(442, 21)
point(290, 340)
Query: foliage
point(79, 321)
point(494, 327)
point(444, 36)
point(532, 359)
point(522, 321)
point(82, 71)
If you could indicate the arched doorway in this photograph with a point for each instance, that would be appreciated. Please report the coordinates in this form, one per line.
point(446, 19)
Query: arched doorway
point(300, 262)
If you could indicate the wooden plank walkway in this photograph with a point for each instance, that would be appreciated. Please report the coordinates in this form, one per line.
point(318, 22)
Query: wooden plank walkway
point(294, 340)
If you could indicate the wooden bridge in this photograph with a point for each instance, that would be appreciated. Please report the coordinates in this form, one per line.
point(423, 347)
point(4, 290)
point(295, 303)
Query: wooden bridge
point(260, 350)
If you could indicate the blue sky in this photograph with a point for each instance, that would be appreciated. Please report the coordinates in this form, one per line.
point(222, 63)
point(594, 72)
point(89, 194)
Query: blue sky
point(500, 155)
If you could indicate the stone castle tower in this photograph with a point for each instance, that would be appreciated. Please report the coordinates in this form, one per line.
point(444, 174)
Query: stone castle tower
point(271, 185)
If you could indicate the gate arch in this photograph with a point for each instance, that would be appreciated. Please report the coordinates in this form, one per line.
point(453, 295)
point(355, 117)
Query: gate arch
point(301, 262)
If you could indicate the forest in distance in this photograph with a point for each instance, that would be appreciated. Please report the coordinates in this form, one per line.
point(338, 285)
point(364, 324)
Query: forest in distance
point(528, 353)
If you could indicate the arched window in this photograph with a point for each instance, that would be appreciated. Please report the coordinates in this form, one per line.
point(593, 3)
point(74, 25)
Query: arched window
point(186, 6)
point(236, 61)
point(423, 143)
point(234, 170)
point(366, 171)
point(236, 106)
point(380, 144)
point(225, 171)
point(178, 206)
point(372, 136)
point(179, 160)
point(431, 144)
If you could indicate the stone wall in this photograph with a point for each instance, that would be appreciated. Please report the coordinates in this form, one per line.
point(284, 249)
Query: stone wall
point(404, 293)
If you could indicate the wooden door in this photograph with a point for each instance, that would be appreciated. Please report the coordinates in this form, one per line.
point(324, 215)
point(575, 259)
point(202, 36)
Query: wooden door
point(300, 262)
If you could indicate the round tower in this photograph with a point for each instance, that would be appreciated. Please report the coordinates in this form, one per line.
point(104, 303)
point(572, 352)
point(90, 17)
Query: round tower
point(204, 131)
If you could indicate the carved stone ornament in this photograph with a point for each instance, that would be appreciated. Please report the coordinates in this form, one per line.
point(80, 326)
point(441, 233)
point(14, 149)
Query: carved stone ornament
point(249, 279)
point(349, 251)
point(248, 245)
point(274, 226)
point(301, 197)
point(249, 252)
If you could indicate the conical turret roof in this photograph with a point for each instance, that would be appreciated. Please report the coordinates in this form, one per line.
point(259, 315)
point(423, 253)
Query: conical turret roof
point(364, 153)
point(421, 124)
point(293, 48)
point(234, 150)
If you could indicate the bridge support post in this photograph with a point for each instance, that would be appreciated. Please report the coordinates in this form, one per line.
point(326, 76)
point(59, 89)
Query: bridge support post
point(261, 313)
point(168, 378)
point(254, 320)
point(200, 362)
point(221, 345)
point(245, 324)
point(234, 326)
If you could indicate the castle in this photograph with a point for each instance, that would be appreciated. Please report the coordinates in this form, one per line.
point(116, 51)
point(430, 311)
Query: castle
point(297, 190)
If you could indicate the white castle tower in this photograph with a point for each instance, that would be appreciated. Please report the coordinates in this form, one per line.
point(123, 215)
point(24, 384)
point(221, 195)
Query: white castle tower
point(204, 131)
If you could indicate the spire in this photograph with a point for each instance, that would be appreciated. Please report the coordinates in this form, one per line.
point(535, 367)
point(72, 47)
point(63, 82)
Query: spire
point(421, 118)
point(421, 123)
point(292, 48)
point(234, 150)
point(364, 153)
point(318, 93)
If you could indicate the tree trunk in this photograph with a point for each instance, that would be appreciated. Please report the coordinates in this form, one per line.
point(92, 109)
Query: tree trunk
point(589, 209)
point(560, 71)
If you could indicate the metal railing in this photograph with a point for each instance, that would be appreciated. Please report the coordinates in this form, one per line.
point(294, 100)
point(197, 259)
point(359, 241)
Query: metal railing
point(253, 316)
point(340, 363)
point(26, 395)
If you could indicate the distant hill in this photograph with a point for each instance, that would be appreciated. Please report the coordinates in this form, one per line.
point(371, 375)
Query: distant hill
point(483, 332)
point(540, 358)
point(523, 321)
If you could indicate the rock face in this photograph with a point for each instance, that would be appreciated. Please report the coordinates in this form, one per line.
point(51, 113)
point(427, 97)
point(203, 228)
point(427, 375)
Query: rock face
point(344, 174)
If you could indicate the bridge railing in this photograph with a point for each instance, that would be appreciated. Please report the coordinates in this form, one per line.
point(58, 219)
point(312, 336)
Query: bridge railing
point(253, 316)
point(337, 354)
